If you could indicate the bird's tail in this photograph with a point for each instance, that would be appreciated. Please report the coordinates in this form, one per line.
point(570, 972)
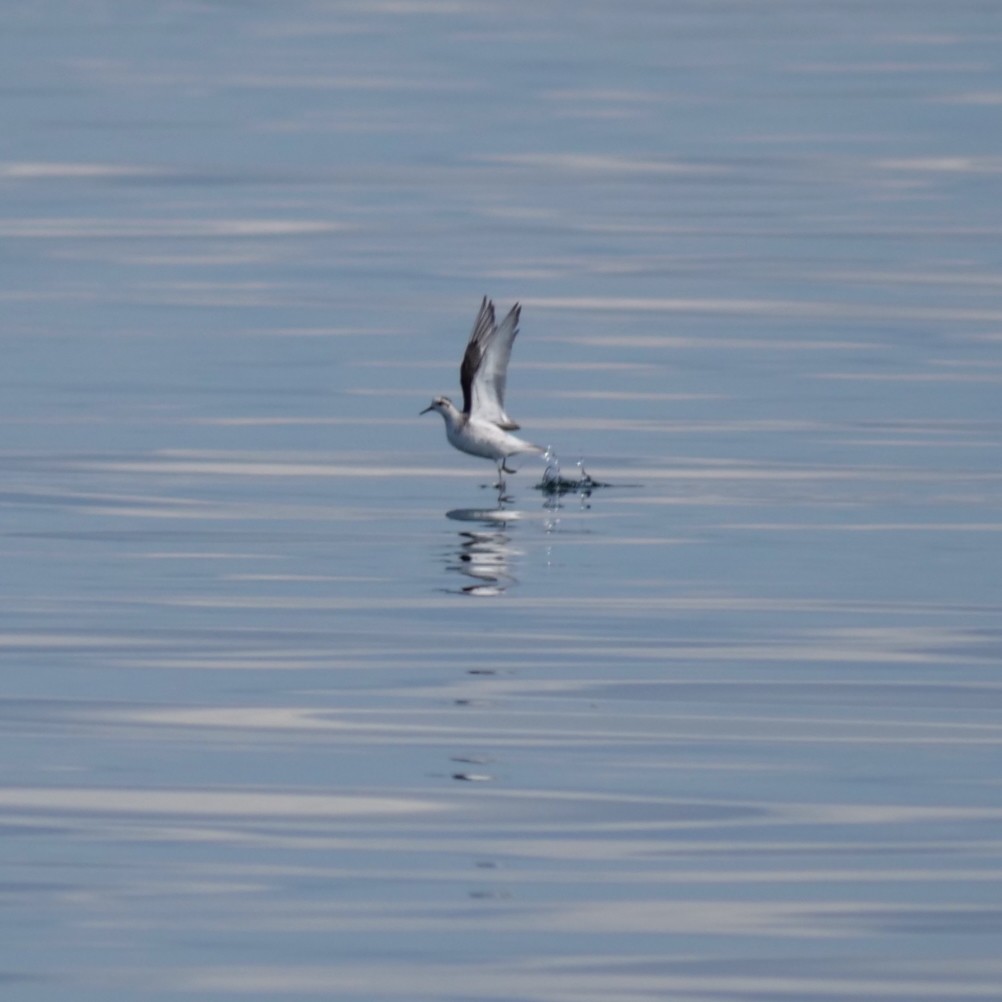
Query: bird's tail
point(532, 447)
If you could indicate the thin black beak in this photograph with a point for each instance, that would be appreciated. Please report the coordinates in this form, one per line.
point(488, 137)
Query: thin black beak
point(430, 407)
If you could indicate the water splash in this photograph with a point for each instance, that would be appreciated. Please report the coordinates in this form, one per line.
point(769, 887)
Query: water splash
point(551, 474)
point(555, 484)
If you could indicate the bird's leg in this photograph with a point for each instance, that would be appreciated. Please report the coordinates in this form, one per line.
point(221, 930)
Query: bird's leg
point(504, 466)
point(500, 485)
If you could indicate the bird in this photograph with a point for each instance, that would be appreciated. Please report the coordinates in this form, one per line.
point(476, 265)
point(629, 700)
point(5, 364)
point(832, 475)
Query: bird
point(483, 427)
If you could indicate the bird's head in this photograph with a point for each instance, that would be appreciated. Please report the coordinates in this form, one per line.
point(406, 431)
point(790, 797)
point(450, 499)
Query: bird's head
point(441, 404)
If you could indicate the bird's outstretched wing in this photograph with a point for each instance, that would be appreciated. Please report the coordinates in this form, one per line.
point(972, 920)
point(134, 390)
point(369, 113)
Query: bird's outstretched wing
point(484, 371)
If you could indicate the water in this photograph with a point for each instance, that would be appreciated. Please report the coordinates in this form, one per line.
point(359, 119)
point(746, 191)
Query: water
point(291, 708)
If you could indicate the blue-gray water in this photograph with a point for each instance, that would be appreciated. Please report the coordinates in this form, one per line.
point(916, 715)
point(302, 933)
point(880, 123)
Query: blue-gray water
point(289, 710)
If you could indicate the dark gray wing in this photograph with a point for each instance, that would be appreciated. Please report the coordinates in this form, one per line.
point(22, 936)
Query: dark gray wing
point(483, 328)
point(484, 372)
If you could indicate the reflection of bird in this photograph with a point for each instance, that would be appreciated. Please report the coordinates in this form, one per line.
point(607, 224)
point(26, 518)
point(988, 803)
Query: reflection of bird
point(482, 428)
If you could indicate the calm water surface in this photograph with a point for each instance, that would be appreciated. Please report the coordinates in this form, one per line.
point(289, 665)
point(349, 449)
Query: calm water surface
point(289, 708)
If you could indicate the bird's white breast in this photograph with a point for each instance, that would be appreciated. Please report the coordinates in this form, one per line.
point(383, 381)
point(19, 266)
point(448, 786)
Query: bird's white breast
point(478, 438)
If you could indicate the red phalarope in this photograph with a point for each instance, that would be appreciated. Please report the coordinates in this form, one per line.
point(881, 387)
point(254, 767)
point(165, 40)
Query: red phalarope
point(482, 427)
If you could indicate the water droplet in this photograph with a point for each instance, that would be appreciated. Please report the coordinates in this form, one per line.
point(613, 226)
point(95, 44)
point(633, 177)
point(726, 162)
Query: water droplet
point(551, 475)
